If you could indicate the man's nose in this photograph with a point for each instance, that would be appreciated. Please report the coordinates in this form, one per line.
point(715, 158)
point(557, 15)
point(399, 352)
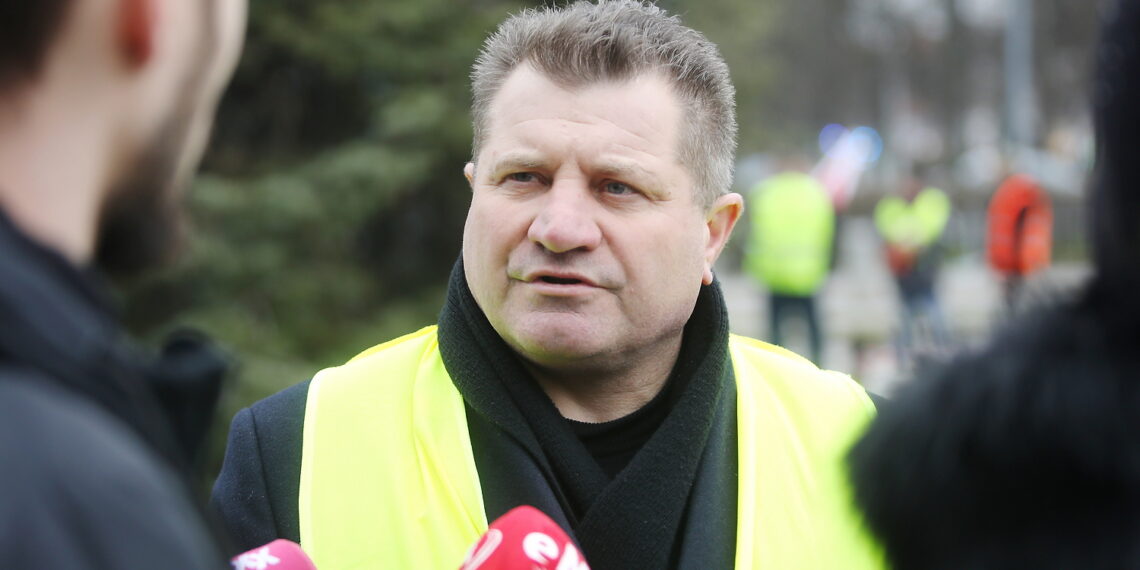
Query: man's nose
point(567, 219)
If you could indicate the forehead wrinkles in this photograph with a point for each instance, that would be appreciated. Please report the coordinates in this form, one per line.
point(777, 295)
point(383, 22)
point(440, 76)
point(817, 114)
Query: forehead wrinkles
point(532, 159)
point(521, 101)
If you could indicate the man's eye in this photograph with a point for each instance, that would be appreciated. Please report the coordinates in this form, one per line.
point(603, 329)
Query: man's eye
point(618, 188)
point(521, 177)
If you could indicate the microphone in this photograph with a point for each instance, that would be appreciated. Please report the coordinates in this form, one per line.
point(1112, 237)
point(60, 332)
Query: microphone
point(524, 539)
point(280, 554)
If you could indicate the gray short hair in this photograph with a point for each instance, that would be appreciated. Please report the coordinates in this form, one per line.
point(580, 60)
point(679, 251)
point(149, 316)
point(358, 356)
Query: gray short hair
point(586, 43)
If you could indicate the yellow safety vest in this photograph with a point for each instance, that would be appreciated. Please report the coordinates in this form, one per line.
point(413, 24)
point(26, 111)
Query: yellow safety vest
point(388, 479)
point(915, 225)
point(793, 223)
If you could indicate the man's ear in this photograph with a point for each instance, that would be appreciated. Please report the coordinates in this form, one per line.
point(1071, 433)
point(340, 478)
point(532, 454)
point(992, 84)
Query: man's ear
point(469, 173)
point(721, 218)
point(137, 30)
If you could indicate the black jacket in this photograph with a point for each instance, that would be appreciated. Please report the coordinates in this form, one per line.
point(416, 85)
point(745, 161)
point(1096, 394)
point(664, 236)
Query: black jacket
point(94, 437)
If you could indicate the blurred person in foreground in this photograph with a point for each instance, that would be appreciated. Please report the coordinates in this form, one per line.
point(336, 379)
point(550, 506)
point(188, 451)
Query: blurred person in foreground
point(912, 226)
point(792, 225)
point(582, 362)
point(1026, 452)
point(104, 110)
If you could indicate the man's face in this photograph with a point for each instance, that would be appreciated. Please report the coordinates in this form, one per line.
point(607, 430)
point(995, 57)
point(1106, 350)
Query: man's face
point(142, 220)
point(584, 245)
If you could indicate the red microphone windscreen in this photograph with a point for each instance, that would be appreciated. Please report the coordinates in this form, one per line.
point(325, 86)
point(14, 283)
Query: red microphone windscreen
point(524, 539)
point(280, 554)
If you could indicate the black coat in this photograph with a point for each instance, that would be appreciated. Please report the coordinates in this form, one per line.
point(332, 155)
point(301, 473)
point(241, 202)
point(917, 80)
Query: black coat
point(94, 438)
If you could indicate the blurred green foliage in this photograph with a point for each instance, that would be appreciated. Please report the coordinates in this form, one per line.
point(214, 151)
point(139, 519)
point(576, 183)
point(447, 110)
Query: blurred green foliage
point(331, 204)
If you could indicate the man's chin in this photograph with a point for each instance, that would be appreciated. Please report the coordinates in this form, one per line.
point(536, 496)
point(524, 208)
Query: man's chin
point(555, 348)
point(139, 235)
point(142, 224)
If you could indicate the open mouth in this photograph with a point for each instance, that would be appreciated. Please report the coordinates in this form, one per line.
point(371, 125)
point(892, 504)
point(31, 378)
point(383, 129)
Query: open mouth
point(560, 280)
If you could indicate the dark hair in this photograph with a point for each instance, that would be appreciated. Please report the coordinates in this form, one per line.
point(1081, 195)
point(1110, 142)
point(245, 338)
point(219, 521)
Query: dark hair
point(1024, 453)
point(27, 28)
point(1114, 201)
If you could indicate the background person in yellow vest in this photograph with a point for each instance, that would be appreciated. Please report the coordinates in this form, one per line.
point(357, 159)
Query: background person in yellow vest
point(582, 362)
point(911, 227)
point(789, 250)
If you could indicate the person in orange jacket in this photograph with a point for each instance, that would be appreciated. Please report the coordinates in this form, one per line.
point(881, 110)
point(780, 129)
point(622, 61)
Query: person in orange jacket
point(1019, 232)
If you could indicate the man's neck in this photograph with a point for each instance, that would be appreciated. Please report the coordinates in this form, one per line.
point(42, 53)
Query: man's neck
point(606, 392)
point(51, 172)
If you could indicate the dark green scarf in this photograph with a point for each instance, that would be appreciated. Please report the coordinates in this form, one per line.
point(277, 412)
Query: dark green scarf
point(638, 519)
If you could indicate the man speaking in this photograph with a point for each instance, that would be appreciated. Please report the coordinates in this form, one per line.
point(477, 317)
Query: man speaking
point(582, 362)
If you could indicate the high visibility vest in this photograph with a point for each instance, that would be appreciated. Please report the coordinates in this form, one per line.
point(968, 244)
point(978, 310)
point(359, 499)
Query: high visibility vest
point(914, 225)
point(909, 228)
point(388, 479)
point(792, 225)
